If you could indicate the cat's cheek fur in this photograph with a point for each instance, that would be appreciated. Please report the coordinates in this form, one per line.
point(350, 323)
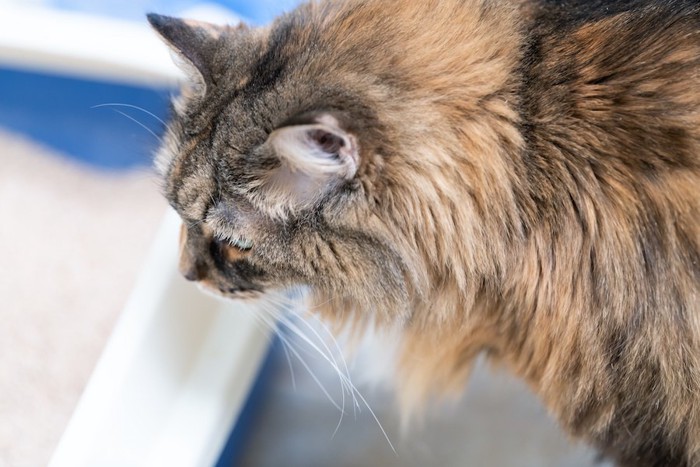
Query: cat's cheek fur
point(167, 152)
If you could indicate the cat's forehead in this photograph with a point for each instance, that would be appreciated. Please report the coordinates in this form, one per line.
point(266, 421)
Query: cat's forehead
point(189, 183)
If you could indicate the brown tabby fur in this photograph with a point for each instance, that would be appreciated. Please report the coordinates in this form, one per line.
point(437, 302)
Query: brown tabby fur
point(528, 187)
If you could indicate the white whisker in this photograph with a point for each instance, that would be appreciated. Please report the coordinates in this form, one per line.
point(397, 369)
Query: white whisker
point(289, 363)
point(378, 423)
point(315, 378)
point(344, 380)
point(294, 352)
point(138, 123)
point(273, 313)
point(338, 350)
point(344, 376)
point(131, 106)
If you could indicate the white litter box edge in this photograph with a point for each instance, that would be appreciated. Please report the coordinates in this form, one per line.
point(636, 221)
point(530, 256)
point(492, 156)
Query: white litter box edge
point(92, 46)
point(166, 392)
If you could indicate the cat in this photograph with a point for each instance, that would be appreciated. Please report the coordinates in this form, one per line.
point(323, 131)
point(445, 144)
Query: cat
point(515, 179)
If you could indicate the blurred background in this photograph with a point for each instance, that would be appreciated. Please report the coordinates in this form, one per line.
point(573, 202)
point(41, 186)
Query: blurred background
point(84, 89)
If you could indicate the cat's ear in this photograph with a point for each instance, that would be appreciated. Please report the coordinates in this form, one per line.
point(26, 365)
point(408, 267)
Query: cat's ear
point(194, 42)
point(316, 153)
point(319, 148)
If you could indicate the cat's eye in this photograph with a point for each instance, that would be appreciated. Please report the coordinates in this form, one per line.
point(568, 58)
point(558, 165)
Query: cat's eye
point(241, 243)
point(238, 242)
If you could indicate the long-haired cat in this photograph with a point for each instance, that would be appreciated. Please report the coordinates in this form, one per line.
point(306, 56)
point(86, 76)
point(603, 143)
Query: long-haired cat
point(519, 179)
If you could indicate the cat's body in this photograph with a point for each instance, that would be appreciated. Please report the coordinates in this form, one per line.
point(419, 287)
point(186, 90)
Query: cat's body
point(518, 178)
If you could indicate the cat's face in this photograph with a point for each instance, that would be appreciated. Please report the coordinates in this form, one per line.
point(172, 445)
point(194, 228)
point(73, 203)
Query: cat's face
point(267, 161)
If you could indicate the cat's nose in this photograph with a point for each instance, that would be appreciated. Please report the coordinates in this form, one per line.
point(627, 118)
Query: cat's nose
point(189, 267)
point(192, 273)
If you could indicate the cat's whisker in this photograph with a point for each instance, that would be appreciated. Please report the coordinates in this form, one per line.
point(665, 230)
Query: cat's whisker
point(131, 106)
point(138, 123)
point(192, 224)
point(290, 304)
point(376, 419)
point(300, 293)
point(276, 332)
point(288, 323)
point(338, 349)
point(369, 408)
point(313, 375)
point(289, 363)
point(350, 387)
point(264, 326)
point(345, 376)
point(285, 320)
point(355, 392)
point(345, 383)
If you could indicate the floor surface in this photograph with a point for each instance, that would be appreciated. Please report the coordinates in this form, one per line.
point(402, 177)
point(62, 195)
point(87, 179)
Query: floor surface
point(498, 423)
point(72, 241)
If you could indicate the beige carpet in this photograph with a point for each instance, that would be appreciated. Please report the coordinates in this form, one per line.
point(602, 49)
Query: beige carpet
point(72, 241)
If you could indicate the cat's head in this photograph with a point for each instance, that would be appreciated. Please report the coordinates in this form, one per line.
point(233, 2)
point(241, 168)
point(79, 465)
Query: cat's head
point(266, 160)
point(304, 153)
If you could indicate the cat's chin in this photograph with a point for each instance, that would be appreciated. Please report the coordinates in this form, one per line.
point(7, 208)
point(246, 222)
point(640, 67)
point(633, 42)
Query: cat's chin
point(219, 294)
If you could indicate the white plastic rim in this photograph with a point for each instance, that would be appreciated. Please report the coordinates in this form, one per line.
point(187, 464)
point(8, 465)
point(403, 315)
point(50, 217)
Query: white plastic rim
point(92, 46)
point(85, 45)
point(173, 377)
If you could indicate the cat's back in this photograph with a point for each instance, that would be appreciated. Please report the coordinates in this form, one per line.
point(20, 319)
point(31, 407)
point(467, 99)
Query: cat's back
point(576, 12)
point(625, 72)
